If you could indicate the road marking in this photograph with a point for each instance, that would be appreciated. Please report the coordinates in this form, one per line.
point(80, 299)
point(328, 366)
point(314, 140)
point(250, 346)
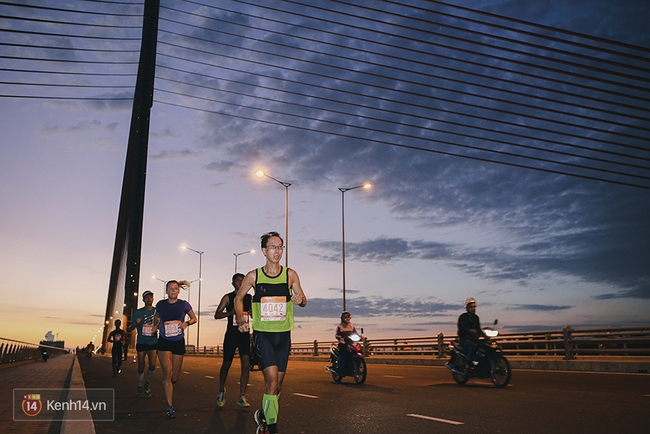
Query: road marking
point(394, 376)
point(435, 419)
point(306, 396)
point(209, 376)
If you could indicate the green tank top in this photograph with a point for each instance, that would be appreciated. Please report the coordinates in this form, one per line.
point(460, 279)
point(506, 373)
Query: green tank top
point(272, 305)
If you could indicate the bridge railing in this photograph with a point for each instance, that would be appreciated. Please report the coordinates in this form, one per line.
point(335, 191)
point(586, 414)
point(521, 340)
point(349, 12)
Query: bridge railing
point(567, 342)
point(15, 351)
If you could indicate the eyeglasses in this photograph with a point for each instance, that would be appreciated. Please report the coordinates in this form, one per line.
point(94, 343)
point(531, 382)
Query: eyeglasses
point(275, 248)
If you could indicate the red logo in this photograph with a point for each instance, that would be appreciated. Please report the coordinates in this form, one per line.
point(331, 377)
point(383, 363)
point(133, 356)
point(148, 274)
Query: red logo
point(32, 405)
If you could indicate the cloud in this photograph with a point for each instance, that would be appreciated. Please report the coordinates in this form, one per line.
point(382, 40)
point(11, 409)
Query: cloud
point(538, 307)
point(172, 155)
point(378, 306)
point(641, 292)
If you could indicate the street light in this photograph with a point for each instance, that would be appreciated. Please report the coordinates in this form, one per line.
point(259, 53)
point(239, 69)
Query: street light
point(343, 190)
point(164, 285)
point(198, 312)
point(239, 254)
point(286, 186)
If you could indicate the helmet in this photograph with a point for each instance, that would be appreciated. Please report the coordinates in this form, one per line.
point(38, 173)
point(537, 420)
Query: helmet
point(344, 314)
point(469, 300)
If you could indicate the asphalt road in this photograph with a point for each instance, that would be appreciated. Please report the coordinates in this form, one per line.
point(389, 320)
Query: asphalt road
point(394, 399)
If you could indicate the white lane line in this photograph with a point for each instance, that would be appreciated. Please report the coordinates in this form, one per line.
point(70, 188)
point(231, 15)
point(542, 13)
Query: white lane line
point(435, 419)
point(209, 376)
point(394, 376)
point(306, 396)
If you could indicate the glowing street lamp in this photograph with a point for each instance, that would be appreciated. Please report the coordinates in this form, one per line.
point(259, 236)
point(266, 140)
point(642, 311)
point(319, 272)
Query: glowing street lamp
point(164, 285)
point(198, 312)
point(286, 186)
point(343, 190)
point(239, 254)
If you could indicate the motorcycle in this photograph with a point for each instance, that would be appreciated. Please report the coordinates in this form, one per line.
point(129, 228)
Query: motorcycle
point(356, 366)
point(44, 354)
point(489, 361)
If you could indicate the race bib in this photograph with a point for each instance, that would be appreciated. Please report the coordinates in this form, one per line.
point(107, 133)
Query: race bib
point(147, 330)
point(234, 319)
point(173, 328)
point(273, 308)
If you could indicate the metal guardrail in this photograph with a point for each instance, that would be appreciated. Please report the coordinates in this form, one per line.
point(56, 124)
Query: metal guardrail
point(16, 351)
point(567, 342)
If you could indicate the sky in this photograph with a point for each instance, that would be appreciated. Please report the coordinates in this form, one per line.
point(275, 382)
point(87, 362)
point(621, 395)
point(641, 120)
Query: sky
point(328, 95)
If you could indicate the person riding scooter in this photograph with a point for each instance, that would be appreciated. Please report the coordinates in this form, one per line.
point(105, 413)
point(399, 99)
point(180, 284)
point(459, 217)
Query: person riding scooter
point(344, 330)
point(469, 331)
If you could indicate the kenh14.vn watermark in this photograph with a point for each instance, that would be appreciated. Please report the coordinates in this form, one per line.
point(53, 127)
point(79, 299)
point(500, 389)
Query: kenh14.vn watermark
point(64, 404)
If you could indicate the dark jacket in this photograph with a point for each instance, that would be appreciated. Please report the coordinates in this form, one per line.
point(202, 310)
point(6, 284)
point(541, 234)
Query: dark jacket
point(469, 327)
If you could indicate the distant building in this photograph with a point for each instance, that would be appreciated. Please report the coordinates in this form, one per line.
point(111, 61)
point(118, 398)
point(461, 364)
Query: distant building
point(58, 344)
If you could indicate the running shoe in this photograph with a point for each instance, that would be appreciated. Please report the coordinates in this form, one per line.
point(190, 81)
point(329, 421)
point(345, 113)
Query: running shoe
point(221, 398)
point(262, 430)
point(147, 390)
point(259, 419)
point(138, 394)
point(242, 402)
point(171, 413)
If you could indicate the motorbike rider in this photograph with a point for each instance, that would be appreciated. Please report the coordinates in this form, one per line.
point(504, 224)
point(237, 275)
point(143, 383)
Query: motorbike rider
point(343, 330)
point(469, 331)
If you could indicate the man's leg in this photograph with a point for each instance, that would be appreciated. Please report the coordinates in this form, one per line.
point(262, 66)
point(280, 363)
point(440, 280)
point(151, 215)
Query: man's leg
point(152, 367)
point(139, 375)
point(270, 399)
point(245, 374)
point(229, 348)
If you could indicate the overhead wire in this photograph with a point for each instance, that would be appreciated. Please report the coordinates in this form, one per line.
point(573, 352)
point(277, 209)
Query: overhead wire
point(627, 121)
point(436, 97)
point(417, 148)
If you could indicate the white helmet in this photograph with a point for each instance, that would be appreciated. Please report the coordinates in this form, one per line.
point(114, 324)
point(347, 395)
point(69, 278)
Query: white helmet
point(469, 300)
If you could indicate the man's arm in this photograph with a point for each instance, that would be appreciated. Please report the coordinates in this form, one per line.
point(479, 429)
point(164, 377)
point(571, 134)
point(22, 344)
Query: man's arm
point(246, 285)
point(221, 311)
point(134, 324)
point(298, 296)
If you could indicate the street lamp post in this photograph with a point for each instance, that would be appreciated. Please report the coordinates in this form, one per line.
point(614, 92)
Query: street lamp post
point(286, 186)
point(198, 312)
point(239, 254)
point(164, 285)
point(343, 190)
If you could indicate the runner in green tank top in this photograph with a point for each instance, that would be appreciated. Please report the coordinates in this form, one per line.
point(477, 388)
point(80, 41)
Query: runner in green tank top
point(277, 290)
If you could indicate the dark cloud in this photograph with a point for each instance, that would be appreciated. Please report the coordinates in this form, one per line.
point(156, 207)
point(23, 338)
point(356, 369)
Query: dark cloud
point(377, 306)
point(642, 292)
point(538, 307)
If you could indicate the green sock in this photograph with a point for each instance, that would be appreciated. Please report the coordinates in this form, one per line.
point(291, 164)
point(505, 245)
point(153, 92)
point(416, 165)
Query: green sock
point(270, 408)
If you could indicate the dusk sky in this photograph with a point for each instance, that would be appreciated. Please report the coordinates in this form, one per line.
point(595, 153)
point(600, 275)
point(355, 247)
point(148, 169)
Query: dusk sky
point(506, 141)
